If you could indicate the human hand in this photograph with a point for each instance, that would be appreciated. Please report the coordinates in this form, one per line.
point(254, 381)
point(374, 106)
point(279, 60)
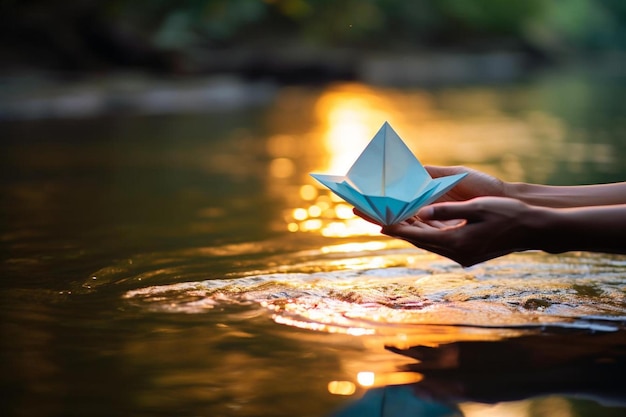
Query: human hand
point(475, 184)
point(469, 232)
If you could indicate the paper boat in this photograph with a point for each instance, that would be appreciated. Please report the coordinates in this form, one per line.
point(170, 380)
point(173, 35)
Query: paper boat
point(387, 182)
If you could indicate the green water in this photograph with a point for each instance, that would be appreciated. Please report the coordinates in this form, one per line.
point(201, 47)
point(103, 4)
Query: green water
point(157, 265)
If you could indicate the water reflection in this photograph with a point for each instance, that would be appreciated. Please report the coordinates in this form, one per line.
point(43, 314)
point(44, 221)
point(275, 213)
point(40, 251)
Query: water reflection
point(494, 339)
point(327, 215)
point(347, 116)
point(341, 387)
point(515, 377)
point(397, 401)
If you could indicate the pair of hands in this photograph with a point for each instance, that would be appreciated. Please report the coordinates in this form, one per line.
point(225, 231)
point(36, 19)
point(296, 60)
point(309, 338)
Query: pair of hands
point(472, 223)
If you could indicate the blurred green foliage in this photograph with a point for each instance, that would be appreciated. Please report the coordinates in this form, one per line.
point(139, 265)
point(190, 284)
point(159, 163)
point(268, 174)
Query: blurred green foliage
point(572, 23)
point(78, 28)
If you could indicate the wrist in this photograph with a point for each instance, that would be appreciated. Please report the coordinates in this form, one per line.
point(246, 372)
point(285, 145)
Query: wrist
point(544, 227)
point(511, 190)
point(540, 195)
point(528, 193)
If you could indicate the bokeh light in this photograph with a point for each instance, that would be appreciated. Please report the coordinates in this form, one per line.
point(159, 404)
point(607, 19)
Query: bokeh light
point(366, 378)
point(341, 387)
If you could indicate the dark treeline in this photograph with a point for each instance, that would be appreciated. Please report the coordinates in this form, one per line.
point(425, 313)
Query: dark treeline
point(167, 35)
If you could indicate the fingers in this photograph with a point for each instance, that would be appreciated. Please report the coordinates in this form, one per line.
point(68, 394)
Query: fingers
point(448, 211)
point(365, 216)
point(437, 171)
point(420, 236)
point(436, 241)
point(434, 224)
point(425, 237)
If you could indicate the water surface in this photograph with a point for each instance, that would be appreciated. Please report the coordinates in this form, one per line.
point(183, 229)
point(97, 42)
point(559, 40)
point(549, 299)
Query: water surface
point(188, 265)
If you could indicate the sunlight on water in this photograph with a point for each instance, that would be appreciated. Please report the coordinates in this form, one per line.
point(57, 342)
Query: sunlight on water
point(348, 115)
point(341, 387)
point(516, 409)
point(356, 247)
point(329, 217)
point(368, 379)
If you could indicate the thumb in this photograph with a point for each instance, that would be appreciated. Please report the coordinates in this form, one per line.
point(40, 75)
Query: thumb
point(448, 211)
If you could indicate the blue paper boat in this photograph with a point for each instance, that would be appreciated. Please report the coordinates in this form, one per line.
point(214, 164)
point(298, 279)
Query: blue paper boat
point(387, 182)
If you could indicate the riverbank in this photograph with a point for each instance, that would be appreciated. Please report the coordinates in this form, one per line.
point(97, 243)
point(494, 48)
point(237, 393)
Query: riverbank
point(237, 79)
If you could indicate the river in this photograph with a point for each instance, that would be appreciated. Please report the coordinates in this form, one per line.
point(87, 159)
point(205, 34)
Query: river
point(187, 264)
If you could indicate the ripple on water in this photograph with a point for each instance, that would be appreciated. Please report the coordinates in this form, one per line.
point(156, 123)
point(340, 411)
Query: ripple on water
point(521, 291)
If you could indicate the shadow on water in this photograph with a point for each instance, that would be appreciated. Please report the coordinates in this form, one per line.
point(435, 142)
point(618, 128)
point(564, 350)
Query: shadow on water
point(480, 375)
point(188, 265)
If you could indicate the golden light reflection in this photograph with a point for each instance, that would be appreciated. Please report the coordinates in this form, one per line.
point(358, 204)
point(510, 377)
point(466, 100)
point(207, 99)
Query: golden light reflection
point(341, 387)
point(366, 378)
point(314, 211)
point(355, 247)
point(548, 406)
point(322, 327)
point(300, 214)
point(282, 168)
point(349, 116)
point(311, 225)
point(308, 192)
point(344, 211)
point(327, 216)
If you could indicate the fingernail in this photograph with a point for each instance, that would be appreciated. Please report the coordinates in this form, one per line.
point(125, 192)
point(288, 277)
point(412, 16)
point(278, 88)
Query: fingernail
point(425, 212)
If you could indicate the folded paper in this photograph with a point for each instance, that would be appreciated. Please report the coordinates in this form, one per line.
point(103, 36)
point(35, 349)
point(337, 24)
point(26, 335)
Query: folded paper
point(387, 182)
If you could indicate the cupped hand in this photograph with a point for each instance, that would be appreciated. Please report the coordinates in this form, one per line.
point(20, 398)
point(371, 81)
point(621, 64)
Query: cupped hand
point(469, 232)
point(475, 184)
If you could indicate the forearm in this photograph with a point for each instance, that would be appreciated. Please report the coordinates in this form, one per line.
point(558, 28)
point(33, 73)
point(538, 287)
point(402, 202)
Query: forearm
point(595, 229)
point(567, 196)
